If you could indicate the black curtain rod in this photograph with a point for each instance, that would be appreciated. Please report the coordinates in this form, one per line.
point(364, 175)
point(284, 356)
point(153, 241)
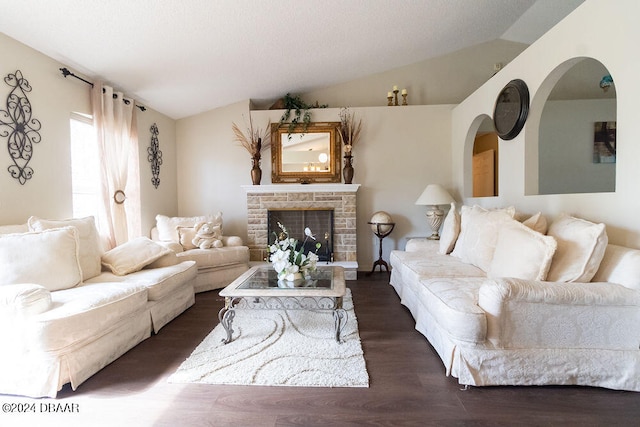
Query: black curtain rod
point(66, 72)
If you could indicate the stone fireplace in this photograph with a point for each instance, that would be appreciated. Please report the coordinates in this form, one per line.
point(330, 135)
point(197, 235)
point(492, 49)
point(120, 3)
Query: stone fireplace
point(339, 198)
point(319, 222)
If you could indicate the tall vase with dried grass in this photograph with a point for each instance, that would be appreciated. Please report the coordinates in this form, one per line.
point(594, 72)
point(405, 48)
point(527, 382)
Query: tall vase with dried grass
point(255, 141)
point(350, 129)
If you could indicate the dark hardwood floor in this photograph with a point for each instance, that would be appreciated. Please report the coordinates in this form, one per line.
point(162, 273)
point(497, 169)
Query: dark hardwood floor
point(408, 385)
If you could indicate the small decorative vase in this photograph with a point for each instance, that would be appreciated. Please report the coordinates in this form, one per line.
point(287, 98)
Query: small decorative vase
point(291, 280)
point(347, 171)
point(295, 277)
point(256, 172)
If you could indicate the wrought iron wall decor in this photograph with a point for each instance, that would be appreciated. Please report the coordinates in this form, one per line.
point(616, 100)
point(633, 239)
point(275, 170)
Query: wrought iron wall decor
point(19, 127)
point(155, 156)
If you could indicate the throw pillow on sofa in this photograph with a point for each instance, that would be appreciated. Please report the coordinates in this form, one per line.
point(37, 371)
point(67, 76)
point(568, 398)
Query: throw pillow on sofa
point(450, 230)
point(48, 258)
point(133, 255)
point(537, 222)
point(24, 299)
point(479, 233)
point(581, 247)
point(521, 253)
point(168, 226)
point(185, 237)
point(88, 237)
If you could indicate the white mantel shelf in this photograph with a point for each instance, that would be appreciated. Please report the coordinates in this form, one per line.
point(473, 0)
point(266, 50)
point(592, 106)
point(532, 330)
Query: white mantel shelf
point(301, 188)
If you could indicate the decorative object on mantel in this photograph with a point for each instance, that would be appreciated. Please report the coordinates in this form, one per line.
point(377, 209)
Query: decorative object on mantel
point(382, 225)
point(21, 130)
point(350, 129)
point(288, 257)
point(294, 155)
point(347, 171)
point(433, 196)
point(255, 142)
point(300, 109)
point(154, 155)
point(392, 97)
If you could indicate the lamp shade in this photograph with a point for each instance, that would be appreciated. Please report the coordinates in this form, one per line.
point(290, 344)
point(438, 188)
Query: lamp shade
point(434, 195)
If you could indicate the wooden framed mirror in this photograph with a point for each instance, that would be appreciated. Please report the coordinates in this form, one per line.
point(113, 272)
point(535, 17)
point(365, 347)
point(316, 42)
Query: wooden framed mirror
point(305, 155)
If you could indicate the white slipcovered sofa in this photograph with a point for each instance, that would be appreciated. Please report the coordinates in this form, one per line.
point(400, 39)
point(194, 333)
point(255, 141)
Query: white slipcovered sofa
point(513, 306)
point(67, 309)
point(217, 267)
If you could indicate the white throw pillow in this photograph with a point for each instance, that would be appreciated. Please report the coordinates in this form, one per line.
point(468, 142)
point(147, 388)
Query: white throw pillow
point(48, 258)
point(164, 261)
point(133, 255)
point(450, 230)
point(168, 226)
point(186, 235)
point(537, 222)
point(12, 229)
point(24, 299)
point(620, 265)
point(581, 246)
point(88, 237)
point(522, 253)
point(479, 233)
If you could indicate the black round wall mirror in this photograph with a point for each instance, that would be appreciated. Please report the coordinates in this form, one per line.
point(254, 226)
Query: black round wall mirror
point(511, 109)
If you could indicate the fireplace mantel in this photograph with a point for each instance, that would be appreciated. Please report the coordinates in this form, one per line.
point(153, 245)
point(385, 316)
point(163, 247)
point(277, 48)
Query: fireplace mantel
point(302, 188)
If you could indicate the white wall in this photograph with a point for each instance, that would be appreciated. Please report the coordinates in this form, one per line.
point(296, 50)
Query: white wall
point(446, 79)
point(581, 34)
point(566, 147)
point(53, 99)
point(402, 149)
point(211, 167)
point(164, 199)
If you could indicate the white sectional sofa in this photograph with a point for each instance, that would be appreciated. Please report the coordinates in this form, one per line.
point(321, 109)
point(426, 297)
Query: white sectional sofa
point(217, 267)
point(67, 309)
point(513, 306)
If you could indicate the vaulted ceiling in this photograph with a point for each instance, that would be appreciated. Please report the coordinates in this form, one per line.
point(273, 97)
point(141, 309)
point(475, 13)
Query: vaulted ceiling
point(189, 56)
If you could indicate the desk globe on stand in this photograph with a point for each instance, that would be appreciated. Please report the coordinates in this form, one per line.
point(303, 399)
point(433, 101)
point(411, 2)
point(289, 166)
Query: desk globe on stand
point(382, 225)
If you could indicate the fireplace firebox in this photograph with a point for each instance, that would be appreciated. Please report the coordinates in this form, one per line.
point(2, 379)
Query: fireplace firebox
point(319, 221)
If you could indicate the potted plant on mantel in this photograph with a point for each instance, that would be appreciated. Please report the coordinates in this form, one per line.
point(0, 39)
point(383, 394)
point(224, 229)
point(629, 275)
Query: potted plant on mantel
point(350, 129)
point(300, 109)
point(255, 141)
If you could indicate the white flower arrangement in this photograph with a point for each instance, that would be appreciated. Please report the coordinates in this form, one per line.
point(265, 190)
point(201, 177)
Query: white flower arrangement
point(289, 262)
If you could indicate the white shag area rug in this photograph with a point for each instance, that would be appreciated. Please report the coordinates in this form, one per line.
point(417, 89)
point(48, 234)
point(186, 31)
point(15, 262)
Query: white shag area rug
point(280, 348)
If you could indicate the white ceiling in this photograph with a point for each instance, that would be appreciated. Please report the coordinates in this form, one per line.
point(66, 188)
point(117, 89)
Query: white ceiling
point(189, 56)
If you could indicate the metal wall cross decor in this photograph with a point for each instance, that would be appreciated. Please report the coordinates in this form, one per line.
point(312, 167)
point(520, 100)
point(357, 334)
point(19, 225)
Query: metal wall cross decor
point(155, 156)
point(18, 126)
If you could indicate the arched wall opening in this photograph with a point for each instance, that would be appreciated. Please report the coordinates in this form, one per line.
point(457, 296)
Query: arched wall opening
point(481, 159)
point(570, 143)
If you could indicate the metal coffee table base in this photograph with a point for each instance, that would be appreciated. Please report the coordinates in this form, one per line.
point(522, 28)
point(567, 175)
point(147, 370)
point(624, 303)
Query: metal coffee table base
point(228, 312)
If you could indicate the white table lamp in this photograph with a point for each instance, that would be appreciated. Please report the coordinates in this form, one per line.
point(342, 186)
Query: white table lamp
point(433, 196)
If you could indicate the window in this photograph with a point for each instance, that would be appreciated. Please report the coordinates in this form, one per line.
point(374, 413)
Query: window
point(84, 167)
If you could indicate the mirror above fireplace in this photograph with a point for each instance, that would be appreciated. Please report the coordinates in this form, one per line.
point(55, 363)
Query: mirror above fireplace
point(305, 155)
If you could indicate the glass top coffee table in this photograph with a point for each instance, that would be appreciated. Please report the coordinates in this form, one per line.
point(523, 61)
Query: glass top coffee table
point(259, 288)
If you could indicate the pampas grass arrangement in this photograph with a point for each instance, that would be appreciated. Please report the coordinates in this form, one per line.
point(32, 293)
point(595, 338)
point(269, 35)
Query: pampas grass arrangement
point(350, 129)
point(255, 140)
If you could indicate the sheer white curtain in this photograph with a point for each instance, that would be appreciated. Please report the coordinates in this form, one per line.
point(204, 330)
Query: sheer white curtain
point(117, 138)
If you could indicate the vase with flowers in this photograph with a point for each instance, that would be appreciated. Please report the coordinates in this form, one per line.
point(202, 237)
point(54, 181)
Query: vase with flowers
point(255, 141)
point(289, 259)
point(350, 129)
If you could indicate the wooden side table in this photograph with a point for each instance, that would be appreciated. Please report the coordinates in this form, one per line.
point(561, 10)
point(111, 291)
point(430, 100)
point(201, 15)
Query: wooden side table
point(381, 233)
